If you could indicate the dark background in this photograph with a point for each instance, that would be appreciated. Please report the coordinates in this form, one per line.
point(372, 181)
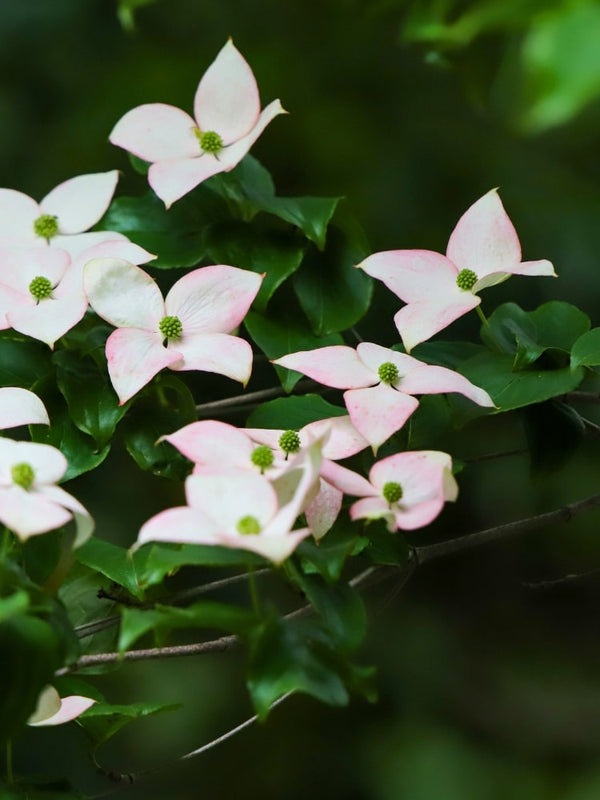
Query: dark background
point(488, 687)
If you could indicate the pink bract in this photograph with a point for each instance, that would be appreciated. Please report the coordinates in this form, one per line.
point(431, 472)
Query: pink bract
point(55, 710)
point(483, 250)
point(378, 408)
point(185, 150)
point(208, 304)
point(76, 205)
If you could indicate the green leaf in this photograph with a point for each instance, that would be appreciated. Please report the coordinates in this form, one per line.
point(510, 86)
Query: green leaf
point(22, 362)
point(14, 604)
point(126, 13)
point(163, 619)
point(112, 561)
point(92, 402)
point(554, 326)
point(162, 407)
point(30, 652)
point(250, 187)
point(293, 413)
point(101, 721)
point(154, 561)
point(332, 293)
point(493, 372)
point(444, 354)
point(80, 450)
point(283, 335)
point(385, 547)
point(292, 655)
point(277, 253)
point(328, 556)
point(176, 236)
point(586, 350)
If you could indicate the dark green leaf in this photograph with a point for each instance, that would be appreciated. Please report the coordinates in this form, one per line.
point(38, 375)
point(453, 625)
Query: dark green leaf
point(385, 547)
point(176, 236)
point(92, 402)
point(328, 556)
point(101, 721)
point(277, 253)
point(333, 294)
point(153, 561)
point(23, 362)
point(110, 560)
point(508, 389)
point(554, 431)
point(163, 619)
point(293, 413)
point(280, 336)
point(586, 350)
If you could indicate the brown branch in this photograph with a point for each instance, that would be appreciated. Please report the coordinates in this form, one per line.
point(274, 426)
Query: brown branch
point(241, 400)
point(564, 514)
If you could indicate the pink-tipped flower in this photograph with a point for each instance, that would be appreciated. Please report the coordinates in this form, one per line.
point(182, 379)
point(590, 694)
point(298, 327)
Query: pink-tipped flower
point(483, 250)
point(30, 503)
point(242, 510)
point(62, 217)
point(408, 489)
point(41, 289)
point(195, 320)
point(185, 150)
point(380, 384)
point(52, 709)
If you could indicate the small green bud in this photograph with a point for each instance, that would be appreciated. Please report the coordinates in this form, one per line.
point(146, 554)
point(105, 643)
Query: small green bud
point(210, 142)
point(23, 475)
point(392, 492)
point(170, 327)
point(40, 288)
point(388, 372)
point(248, 526)
point(466, 279)
point(46, 226)
point(262, 456)
point(289, 441)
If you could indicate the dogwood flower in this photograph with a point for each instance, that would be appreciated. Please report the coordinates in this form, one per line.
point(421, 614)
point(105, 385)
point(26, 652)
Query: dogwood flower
point(215, 446)
point(483, 250)
point(241, 509)
point(380, 384)
point(30, 503)
point(21, 407)
point(408, 489)
point(61, 218)
point(195, 320)
point(183, 150)
point(55, 710)
point(41, 289)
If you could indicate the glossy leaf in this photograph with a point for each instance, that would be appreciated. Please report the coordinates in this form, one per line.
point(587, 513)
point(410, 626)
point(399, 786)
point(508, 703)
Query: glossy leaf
point(328, 556)
point(586, 350)
point(102, 720)
point(112, 561)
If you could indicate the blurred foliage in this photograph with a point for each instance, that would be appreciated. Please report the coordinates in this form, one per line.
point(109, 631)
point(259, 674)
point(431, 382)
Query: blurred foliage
point(411, 109)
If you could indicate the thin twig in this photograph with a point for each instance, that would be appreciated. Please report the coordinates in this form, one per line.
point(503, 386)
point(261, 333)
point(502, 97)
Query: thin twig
point(500, 454)
point(564, 514)
point(571, 577)
point(205, 409)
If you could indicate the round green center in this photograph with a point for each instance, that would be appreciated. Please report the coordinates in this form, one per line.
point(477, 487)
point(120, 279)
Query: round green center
point(210, 142)
point(289, 441)
point(388, 372)
point(392, 492)
point(46, 226)
point(248, 526)
point(23, 475)
point(170, 327)
point(262, 456)
point(40, 288)
point(466, 279)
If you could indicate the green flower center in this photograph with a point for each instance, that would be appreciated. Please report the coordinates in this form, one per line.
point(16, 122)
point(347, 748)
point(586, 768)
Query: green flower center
point(466, 279)
point(40, 288)
point(170, 327)
point(392, 492)
point(289, 441)
point(23, 475)
point(210, 141)
point(248, 526)
point(388, 372)
point(46, 226)
point(262, 456)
